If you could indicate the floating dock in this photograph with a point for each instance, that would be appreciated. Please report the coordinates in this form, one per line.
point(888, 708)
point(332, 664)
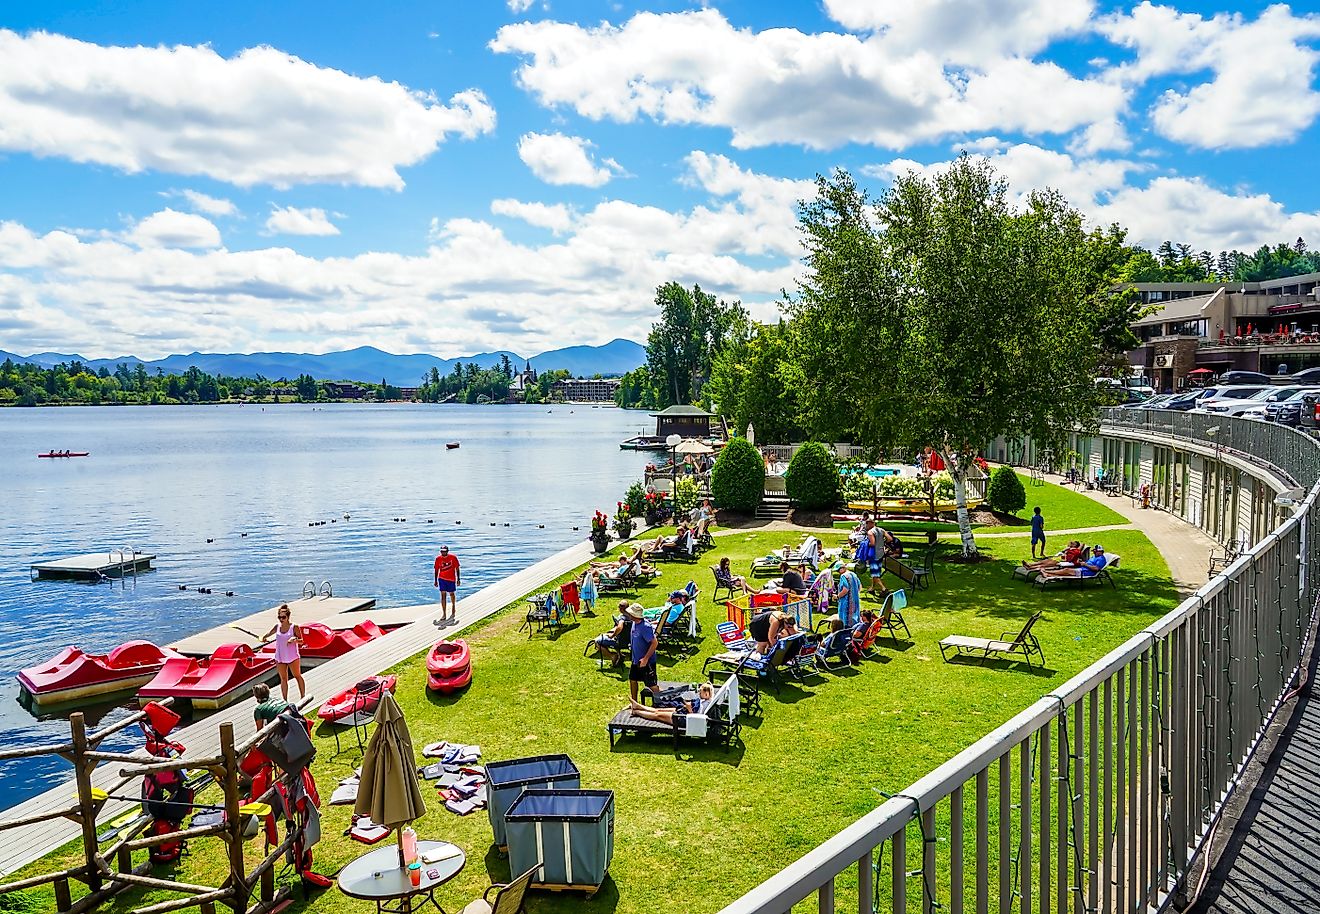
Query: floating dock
point(303, 611)
point(95, 565)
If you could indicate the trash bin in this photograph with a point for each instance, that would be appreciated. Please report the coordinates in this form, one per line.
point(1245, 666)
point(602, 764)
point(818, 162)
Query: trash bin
point(569, 833)
point(505, 780)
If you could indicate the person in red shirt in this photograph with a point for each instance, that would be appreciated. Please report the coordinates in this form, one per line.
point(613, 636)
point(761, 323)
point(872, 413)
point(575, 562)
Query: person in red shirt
point(446, 581)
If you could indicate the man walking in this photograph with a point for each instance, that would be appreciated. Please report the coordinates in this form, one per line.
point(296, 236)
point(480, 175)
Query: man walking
point(642, 649)
point(446, 581)
point(1037, 533)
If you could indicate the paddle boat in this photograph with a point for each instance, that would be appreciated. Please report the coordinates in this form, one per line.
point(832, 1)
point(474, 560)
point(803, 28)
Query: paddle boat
point(72, 675)
point(66, 454)
point(362, 698)
point(210, 682)
point(452, 446)
point(320, 642)
point(449, 666)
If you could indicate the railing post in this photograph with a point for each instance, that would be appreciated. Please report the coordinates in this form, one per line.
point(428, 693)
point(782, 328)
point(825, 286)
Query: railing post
point(87, 807)
point(237, 874)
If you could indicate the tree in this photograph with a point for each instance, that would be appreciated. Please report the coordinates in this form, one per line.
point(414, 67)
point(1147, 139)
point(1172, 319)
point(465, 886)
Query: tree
point(812, 478)
point(737, 481)
point(941, 315)
point(506, 367)
point(692, 329)
point(1004, 492)
point(751, 382)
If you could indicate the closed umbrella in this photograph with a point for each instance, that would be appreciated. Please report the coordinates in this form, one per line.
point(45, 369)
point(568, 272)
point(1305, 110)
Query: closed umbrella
point(388, 791)
point(751, 434)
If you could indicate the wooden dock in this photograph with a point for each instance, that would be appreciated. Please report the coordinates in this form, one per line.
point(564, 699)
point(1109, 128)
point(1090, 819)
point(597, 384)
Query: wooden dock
point(94, 565)
point(31, 842)
point(304, 611)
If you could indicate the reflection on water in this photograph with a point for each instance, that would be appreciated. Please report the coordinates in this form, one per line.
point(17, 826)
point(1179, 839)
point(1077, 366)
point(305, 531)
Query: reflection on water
point(232, 498)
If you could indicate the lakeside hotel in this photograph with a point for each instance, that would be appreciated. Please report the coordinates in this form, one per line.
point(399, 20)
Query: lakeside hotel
point(1271, 326)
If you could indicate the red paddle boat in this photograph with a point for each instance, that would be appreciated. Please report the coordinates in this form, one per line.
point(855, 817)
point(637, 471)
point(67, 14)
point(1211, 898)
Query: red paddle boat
point(321, 642)
point(72, 675)
point(449, 666)
point(210, 682)
point(361, 698)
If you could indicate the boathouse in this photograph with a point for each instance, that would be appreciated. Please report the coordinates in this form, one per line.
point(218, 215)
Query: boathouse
point(683, 420)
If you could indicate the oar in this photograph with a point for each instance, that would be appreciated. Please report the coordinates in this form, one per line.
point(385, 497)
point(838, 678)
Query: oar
point(247, 632)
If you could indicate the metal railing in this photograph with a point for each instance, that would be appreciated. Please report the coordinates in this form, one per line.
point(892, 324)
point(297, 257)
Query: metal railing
point(1100, 796)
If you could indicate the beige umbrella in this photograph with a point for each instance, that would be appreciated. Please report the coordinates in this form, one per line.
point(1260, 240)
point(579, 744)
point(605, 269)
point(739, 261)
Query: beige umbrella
point(388, 791)
point(693, 446)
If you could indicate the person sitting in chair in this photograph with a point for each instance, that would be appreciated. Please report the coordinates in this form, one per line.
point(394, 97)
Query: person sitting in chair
point(611, 644)
point(1088, 569)
point(768, 627)
point(893, 545)
point(725, 577)
point(790, 581)
point(1068, 558)
point(676, 716)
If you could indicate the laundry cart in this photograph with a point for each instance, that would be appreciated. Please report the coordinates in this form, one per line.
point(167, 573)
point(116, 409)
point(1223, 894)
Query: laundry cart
point(505, 780)
point(569, 834)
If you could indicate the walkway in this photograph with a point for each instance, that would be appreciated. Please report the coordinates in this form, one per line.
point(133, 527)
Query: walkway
point(1271, 862)
point(22, 846)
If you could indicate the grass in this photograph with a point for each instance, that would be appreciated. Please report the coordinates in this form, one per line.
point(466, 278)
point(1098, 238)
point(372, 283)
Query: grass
point(1062, 508)
point(704, 825)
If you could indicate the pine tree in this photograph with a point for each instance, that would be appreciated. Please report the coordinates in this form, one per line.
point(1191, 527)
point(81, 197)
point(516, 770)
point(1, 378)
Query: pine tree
point(1165, 254)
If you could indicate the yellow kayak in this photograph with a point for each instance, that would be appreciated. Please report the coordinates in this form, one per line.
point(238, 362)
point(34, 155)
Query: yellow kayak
point(907, 506)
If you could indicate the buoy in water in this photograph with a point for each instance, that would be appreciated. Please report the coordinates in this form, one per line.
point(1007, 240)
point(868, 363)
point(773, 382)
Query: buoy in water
point(183, 586)
point(229, 593)
point(209, 540)
point(430, 521)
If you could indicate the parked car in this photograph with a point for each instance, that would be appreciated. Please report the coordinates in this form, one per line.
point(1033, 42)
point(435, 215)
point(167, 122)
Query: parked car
point(1288, 411)
point(1236, 406)
point(1157, 402)
point(1307, 409)
point(1307, 376)
point(1243, 377)
point(1229, 392)
point(1194, 399)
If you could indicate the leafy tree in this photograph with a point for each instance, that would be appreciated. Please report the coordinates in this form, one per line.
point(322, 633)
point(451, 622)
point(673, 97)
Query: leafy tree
point(636, 390)
point(1004, 492)
point(812, 478)
point(752, 382)
point(941, 315)
point(737, 481)
point(683, 343)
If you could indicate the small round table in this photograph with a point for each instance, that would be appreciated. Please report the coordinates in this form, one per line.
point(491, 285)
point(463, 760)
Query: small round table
point(376, 876)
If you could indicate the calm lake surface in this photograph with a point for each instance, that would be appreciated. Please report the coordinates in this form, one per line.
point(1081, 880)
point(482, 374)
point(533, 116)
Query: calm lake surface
point(249, 480)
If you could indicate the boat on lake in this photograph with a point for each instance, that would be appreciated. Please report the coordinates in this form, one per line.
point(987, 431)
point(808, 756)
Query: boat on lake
point(210, 682)
point(66, 454)
point(72, 675)
point(452, 446)
point(644, 443)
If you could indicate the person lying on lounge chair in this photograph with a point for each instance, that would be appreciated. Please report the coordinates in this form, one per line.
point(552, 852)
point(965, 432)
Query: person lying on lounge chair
point(620, 562)
point(611, 570)
point(768, 627)
point(662, 541)
point(1068, 558)
point(1088, 569)
point(675, 716)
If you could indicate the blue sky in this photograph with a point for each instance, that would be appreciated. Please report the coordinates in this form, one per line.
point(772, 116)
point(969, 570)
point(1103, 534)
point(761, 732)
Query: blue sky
point(452, 177)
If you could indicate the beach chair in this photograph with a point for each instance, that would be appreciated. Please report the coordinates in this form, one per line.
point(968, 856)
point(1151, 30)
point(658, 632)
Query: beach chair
point(508, 896)
point(891, 615)
point(1024, 645)
point(806, 553)
point(622, 581)
point(722, 582)
point(864, 644)
point(678, 629)
point(1042, 581)
point(1029, 574)
point(733, 637)
point(623, 646)
point(835, 650)
point(685, 550)
point(718, 724)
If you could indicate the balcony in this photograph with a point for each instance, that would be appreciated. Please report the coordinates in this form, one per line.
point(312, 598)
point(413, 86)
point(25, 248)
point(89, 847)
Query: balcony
point(1271, 342)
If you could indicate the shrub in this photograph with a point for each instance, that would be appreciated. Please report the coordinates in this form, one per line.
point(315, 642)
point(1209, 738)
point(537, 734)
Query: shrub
point(812, 478)
point(635, 499)
point(738, 478)
point(687, 494)
point(1004, 493)
point(914, 487)
point(857, 486)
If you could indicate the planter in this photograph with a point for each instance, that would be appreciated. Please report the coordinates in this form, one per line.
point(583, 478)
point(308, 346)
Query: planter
point(600, 542)
point(623, 529)
point(651, 517)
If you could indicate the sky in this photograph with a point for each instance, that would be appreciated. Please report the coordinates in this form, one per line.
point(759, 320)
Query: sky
point(451, 177)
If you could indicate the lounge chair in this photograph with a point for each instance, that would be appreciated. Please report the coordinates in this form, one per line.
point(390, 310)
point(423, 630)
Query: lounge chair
point(1030, 574)
point(1045, 580)
point(891, 616)
point(865, 644)
point(620, 581)
point(718, 724)
point(508, 897)
point(1024, 644)
point(733, 637)
point(751, 663)
point(684, 550)
point(807, 553)
point(676, 627)
point(722, 582)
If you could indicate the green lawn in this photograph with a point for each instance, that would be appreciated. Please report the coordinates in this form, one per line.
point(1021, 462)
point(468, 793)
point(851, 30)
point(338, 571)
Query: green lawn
point(1062, 508)
point(695, 830)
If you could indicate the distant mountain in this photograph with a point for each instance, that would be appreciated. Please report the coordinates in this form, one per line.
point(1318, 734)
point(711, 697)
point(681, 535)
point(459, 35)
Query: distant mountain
point(366, 363)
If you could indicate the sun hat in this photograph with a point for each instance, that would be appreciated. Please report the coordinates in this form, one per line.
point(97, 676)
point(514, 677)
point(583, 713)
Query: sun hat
point(633, 610)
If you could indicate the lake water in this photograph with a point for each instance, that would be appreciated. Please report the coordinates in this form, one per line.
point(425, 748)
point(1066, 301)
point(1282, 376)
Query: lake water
point(223, 496)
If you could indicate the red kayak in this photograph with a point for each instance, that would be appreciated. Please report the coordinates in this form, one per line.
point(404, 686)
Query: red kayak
point(210, 682)
point(321, 642)
point(449, 666)
point(358, 699)
point(72, 675)
point(66, 454)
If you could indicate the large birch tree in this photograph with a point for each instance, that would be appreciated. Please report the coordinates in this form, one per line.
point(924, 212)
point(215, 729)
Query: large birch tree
point(941, 315)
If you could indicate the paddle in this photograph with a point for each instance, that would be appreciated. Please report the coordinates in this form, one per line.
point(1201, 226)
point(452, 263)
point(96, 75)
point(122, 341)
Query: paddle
point(247, 632)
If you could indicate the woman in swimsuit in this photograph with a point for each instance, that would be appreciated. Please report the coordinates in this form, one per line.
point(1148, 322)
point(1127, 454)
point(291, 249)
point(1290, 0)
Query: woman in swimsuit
point(287, 638)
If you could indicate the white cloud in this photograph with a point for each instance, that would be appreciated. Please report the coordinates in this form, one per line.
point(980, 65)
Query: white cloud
point(783, 86)
point(520, 6)
point(212, 206)
point(559, 159)
point(555, 217)
point(260, 117)
point(1173, 207)
point(290, 220)
point(966, 31)
point(592, 282)
point(172, 229)
point(1263, 70)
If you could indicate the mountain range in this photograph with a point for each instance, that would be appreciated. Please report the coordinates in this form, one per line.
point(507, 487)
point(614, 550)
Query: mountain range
point(365, 363)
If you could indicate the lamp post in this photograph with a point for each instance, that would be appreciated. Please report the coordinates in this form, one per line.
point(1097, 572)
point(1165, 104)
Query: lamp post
point(673, 441)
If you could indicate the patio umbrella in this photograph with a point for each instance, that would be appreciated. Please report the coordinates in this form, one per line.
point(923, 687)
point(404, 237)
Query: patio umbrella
point(693, 446)
point(1200, 371)
point(751, 434)
point(388, 791)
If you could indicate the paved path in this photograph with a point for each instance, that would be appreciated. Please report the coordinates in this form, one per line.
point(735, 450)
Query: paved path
point(1271, 863)
point(21, 846)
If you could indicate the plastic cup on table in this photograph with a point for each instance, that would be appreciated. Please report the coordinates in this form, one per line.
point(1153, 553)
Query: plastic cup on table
point(415, 874)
